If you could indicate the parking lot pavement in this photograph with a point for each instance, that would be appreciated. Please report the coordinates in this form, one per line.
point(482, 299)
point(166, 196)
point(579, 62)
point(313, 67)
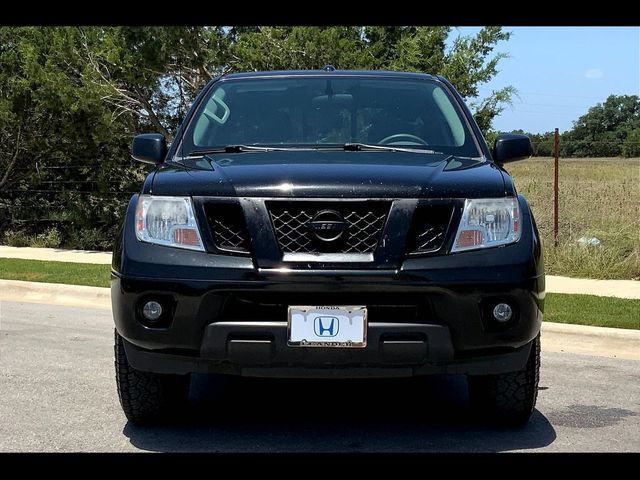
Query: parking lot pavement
point(58, 394)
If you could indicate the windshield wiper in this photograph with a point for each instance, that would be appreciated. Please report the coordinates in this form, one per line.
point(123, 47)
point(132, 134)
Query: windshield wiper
point(234, 149)
point(350, 147)
point(360, 147)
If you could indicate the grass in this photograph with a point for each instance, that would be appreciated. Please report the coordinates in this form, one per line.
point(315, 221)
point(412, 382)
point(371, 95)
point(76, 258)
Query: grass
point(597, 198)
point(55, 272)
point(559, 307)
point(592, 310)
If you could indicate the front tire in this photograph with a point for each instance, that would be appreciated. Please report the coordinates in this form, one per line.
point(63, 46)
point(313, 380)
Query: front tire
point(148, 397)
point(509, 398)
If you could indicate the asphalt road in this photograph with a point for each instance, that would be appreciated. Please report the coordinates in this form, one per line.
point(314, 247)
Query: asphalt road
point(57, 393)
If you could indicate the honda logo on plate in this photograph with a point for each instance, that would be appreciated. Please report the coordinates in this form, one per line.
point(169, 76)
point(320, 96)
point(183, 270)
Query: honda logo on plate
point(326, 326)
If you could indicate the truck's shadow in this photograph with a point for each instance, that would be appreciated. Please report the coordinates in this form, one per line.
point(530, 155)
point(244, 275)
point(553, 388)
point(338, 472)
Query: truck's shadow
point(268, 415)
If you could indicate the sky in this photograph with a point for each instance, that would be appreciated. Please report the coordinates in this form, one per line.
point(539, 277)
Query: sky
point(560, 72)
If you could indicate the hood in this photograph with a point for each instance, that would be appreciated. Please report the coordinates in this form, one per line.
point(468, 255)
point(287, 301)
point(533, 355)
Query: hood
point(321, 174)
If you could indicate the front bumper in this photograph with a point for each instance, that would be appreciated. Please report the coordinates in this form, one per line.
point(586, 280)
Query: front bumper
point(448, 331)
point(453, 337)
point(267, 355)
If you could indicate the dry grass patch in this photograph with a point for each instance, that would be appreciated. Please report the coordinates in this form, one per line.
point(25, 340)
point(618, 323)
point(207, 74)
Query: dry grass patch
point(598, 198)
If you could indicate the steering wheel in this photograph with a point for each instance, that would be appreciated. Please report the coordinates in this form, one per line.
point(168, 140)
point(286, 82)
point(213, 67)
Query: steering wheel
point(392, 139)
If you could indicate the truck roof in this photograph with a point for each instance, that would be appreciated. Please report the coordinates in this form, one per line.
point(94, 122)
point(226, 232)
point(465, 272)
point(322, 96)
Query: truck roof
point(328, 71)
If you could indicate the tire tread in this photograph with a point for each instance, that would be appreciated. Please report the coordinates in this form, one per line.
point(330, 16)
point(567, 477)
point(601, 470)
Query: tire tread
point(508, 398)
point(147, 397)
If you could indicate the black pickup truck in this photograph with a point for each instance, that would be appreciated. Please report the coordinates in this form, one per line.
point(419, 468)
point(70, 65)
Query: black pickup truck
point(328, 224)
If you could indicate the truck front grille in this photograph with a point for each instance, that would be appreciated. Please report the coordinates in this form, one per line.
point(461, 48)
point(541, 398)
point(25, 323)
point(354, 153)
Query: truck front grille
point(352, 227)
point(430, 224)
point(227, 225)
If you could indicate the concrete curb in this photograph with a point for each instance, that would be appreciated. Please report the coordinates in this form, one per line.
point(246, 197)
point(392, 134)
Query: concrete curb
point(55, 294)
point(585, 340)
point(571, 329)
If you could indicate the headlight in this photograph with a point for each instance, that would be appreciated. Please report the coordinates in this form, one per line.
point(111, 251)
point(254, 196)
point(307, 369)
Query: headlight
point(488, 223)
point(167, 221)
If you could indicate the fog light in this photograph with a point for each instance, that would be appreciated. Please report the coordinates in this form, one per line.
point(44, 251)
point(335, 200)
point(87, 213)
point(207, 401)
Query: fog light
point(152, 310)
point(502, 312)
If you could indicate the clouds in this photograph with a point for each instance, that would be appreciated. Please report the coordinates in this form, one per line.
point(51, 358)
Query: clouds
point(593, 73)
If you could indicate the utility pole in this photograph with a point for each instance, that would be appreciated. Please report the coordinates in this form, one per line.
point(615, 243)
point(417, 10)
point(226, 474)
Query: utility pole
point(555, 188)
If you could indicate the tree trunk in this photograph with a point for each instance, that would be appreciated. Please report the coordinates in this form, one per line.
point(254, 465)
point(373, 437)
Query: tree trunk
point(153, 118)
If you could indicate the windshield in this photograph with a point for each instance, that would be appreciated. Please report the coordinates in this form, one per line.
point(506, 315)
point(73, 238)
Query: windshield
point(330, 111)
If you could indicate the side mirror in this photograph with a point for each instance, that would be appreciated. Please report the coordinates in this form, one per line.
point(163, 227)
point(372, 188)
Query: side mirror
point(510, 147)
point(149, 148)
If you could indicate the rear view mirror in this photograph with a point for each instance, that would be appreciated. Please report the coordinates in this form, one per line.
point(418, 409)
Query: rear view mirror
point(510, 147)
point(344, 100)
point(149, 148)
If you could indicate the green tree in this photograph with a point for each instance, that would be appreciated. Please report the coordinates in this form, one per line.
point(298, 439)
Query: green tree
point(282, 48)
point(631, 145)
point(542, 144)
point(153, 72)
point(67, 158)
point(602, 131)
point(21, 119)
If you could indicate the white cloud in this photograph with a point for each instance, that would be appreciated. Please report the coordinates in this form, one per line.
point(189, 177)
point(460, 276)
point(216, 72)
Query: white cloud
point(594, 73)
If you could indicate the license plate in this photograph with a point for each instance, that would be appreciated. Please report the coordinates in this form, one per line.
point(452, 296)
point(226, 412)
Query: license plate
point(343, 326)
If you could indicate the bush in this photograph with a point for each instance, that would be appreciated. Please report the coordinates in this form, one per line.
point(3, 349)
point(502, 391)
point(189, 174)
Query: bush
point(77, 238)
point(88, 239)
point(50, 238)
point(16, 238)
